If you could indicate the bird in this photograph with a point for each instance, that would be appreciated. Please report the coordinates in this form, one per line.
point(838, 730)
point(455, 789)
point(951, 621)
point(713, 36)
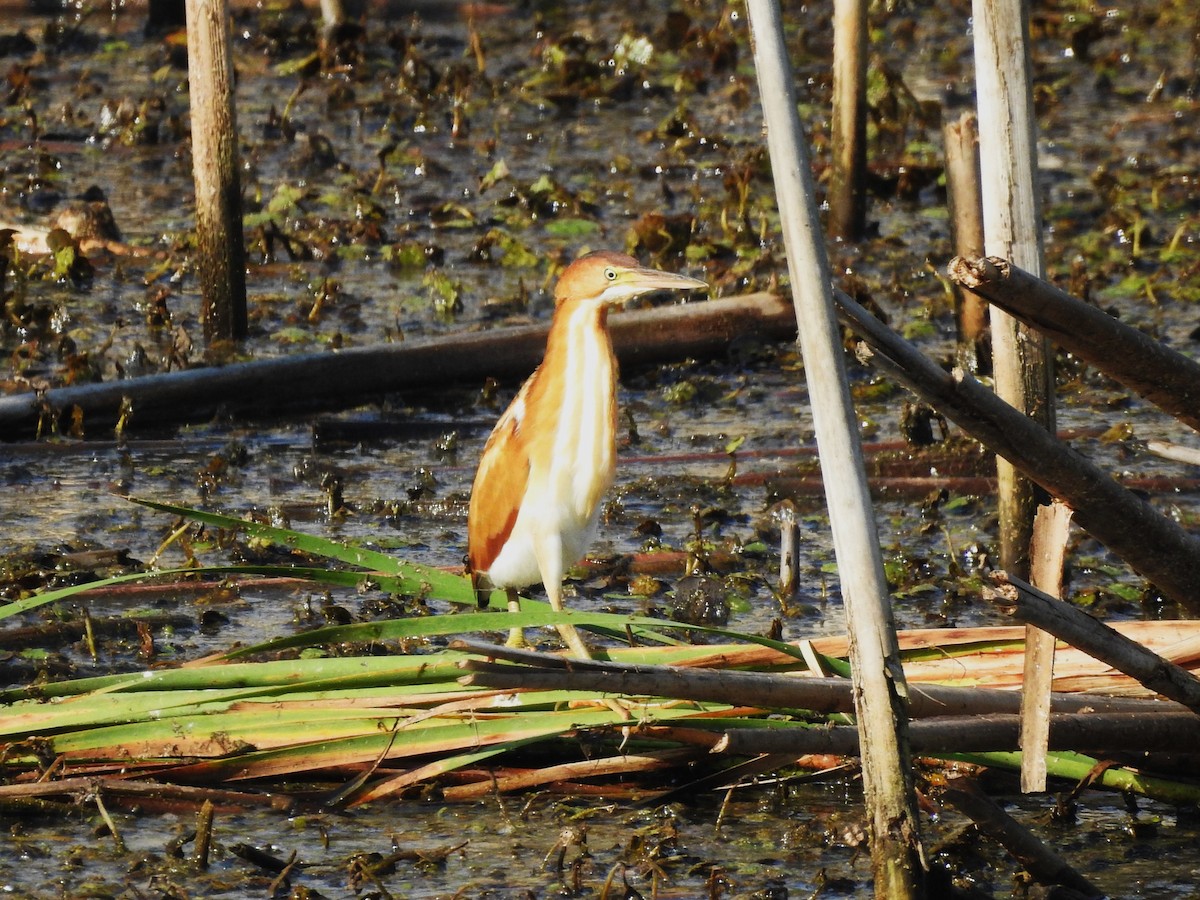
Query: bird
point(535, 500)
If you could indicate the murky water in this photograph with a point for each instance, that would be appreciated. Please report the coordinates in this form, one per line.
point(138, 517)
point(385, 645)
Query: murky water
point(358, 165)
point(764, 843)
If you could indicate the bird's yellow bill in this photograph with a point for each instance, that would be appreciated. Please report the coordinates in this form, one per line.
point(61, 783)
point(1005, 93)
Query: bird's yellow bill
point(644, 280)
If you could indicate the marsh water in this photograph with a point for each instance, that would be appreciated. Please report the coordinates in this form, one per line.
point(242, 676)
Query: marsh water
point(430, 175)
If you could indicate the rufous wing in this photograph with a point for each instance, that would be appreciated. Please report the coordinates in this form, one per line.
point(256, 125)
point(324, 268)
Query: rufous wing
point(499, 487)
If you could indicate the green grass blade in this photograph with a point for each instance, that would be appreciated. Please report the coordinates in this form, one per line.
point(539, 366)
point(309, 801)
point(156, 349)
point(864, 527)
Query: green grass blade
point(613, 624)
point(416, 578)
point(285, 537)
point(335, 577)
point(392, 575)
point(347, 673)
point(261, 740)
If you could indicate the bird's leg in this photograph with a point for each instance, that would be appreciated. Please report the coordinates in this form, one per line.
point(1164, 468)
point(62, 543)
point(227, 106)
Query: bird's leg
point(579, 650)
point(568, 632)
point(516, 636)
point(548, 549)
point(549, 557)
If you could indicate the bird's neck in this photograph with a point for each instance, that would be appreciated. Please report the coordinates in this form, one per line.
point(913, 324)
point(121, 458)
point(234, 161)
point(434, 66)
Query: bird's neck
point(579, 344)
point(579, 347)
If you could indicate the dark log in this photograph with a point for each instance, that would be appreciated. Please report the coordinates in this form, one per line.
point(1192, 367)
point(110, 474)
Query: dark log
point(1152, 544)
point(1168, 379)
point(1067, 623)
point(759, 689)
point(355, 376)
point(1086, 732)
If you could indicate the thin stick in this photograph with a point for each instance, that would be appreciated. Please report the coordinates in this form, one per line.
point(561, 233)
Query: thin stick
point(203, 844)
point(590, 768)
point(120, 786)
point(1174, 452)
point(880, 690)
point(1051, 527)
point(1021, 360)
point(108, 820)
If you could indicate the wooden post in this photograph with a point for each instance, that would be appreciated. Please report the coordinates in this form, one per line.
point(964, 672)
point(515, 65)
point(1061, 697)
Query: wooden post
point(963, 194)
point(847, 184)
point(202, 848)
point(880, 691)
point(789, 551)
point(221, 248)
point(1021, 362)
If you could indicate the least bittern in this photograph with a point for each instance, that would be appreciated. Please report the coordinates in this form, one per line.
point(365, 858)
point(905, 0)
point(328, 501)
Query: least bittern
point(535, 503)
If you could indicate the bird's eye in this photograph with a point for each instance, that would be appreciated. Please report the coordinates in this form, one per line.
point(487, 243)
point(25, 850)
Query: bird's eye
point(610, 273)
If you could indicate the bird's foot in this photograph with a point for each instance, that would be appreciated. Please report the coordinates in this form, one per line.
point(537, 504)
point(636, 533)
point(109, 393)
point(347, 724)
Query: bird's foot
point(516, 639)
point(580, 650)
point(620, 707)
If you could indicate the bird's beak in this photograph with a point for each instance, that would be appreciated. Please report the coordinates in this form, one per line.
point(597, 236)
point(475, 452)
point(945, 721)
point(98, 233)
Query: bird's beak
point(642, 280)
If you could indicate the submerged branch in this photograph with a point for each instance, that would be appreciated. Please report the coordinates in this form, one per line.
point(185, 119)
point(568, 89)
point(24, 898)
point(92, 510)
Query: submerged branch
point(351, 377)
point(1042, 863)
point(145, 791)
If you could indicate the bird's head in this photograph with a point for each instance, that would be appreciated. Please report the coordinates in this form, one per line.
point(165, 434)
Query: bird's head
point(613, 279)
